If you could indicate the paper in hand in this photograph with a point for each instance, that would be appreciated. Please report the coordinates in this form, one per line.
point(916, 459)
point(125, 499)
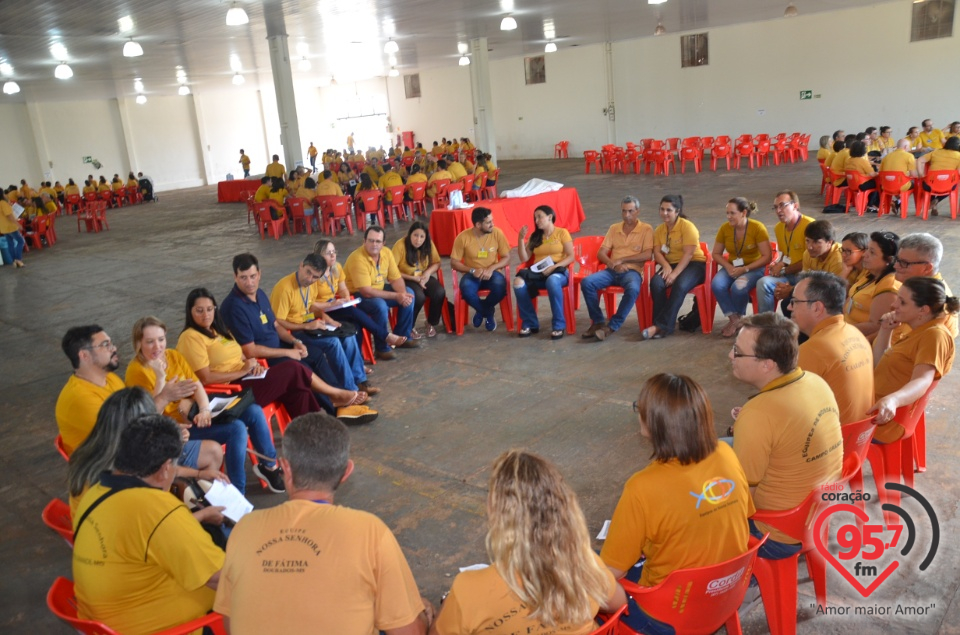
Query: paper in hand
point(537, 267)
point(227, 495)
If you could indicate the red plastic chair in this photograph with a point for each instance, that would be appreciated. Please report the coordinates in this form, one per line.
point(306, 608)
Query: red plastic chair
point(744, 138)
point(62, 602)
point(688, 153)
point(894, 462)
point(560, 150)
point(87, 215)
point(437, 200)
point(673, 144)
point(333, 209)
point(490, 191)
point(56, 516)
point(569, 301)
point(592, 157)
point(372, 203)
point(395, 209)
point(774, 256)
point(611, 623)
point(890, 184)
point(460, 306)
point(134, 195)
point(797, 149)
point(73, 203)
point(744, 150)
point(448, 189)
point(661, 160)
point(941, 183)
point(854, 194)
point(763, 153)
point(838, 190)
point(467, 183)
point(418, 199)
point(702, 292)
point(266, 222)
point(724, 139)
point(295, 208)
point(444, 310)
point(720, 151)
point(58, 443)
point(856, 440)
point(632, 159)
point(119, 197)
point(699, 601)
point(826, 182)
point(585, 250)
point(778, 578)
point(100, 215)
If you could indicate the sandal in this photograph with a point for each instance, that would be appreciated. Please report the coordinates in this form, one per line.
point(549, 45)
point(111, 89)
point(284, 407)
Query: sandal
point(415, 334)
point(431, 330)
point(396, 340)
point(556, 335)
point(525, 332)
point(358, 398)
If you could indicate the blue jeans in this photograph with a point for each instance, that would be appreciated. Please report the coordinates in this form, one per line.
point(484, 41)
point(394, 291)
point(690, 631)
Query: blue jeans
point(771, 549)
point(232, 433)
point(258, 429)
point(733, 294)
point(379, 311)
point(629, 280)
point(554, 284)
point(337, 361)
point(665, 309)
point(765, 288)
point(471, 286)
point(640, 622)
point(15, 243)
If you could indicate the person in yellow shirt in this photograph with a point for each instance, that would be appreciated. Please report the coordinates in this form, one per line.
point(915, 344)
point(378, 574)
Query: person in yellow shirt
point(418, 260)
point(245, 163)
point(350, 143)
point(547, 240)
point(455, 168)
point(389, 179)
point(373, 169)
point(858, 162)
point(277, 196)
point(71, 188)
point(276, 169)
point(103, 186)
point(132, 180)
point(10, 232)
point(329, 186)
point(873, 293)
point(478, 254)
point(919, 255)
point(116, 184)
point(263, 191)
point(26, 191)
point(437, 149)
point(89, 187)
point(930, 138)
point(839, 162)
point(901, 160)
point(822, 254)
point(946, 158)
point(792, 245)
point(625, 249)
point(312, 153)
point(441, 173)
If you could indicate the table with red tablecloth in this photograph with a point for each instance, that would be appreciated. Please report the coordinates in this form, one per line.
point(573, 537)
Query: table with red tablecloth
point(229, 191)
point(509, 214)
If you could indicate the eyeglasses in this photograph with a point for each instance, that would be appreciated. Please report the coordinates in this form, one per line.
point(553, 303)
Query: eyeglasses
point(105, 344)
point(738, 354)
point(850, 252)
point(906, 263)
point(796, 301)
point(331, 252)
point(779, 206)
point(636, 408)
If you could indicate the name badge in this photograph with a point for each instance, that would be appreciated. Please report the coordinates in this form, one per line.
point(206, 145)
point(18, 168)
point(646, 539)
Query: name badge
point(664, 249)
point(379, 281)
point(417, 272)
point(482, 253)
point(263, 318)
point(309, 317)
point(787, 261)
point(738, 262)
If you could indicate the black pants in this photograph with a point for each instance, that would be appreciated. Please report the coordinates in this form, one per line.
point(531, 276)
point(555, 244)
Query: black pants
point(437, 295)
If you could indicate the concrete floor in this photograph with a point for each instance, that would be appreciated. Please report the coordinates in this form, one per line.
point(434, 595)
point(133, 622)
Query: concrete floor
point(447, 410)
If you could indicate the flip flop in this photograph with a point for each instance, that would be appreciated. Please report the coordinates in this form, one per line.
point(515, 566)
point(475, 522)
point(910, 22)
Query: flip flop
point(398, 340)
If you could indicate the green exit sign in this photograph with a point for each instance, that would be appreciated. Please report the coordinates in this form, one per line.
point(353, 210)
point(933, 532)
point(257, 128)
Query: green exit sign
point(806, 94)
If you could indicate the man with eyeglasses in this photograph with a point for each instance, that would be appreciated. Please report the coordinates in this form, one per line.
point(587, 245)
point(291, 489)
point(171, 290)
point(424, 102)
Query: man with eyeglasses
point(94, 357)
point(930, 138)
point(835, 350)
point(791, 242)
point(919, 255)
point(787, 436)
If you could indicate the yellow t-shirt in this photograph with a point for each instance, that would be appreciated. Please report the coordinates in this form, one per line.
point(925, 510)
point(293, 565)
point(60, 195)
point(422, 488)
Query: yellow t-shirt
point(861, 165)
point(218, 353)
point(792, 243)
point(362, 271)
point(840, 354)
point(78, 406)
point(388, 180)
point(308, 194)
point(748, 246)
point(933, 139)
point(832, 262)
point(944, 160)
point(329, 284)
point(683, 234)
point(457, 170)
point(245, 161)
point(341, 568)
point(623, 245)
point(898, 161)
point(436, 176)
point(788, 440)
point(932, 344)
point(862, 292)
point(312, 151)
point(680, 516)
point(141, 561)
point(839, 165)
point(481, 602)
point(400, 254)
point(553, 245)
point(480, 253)
point(262, 193)
point(138, 374)
point(291, 302)
point(329, 188)
point(276, 169)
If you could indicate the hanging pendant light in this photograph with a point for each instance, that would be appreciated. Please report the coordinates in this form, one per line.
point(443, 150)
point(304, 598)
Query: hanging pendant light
point(63, 71)
point(236, 16)
point(132, 49)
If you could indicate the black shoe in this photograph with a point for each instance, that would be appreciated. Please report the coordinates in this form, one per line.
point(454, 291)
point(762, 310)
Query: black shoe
point(273, 478)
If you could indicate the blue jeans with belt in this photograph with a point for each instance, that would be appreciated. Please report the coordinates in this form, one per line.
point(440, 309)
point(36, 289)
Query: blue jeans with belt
point(471, 286)
point(554, 284)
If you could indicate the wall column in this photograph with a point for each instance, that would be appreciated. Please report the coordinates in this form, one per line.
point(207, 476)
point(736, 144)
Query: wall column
point(485, 135)
point(283, 83)
point(611, 98)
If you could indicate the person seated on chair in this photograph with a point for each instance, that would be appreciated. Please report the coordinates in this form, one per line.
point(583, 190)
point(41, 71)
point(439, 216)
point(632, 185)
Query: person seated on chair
point(294, 302)
point(455, 168)
point(154, 364)
point(663, 513)
point(373, 169)
point(96, 454)
point(276, 169)
point(263, 192)
point(116, 185)
point(247, 314)
point(418, 260)
point(852, 248)
point(369, 269)
point(547, 240)
point(792, 245)
point(366, 184)
point(307, 190)
point(883, 144)
point(920, 255)
point(141, 562)
point(389, 179)
point(625, 248)
point(89, 187)
point(900, 160)
point(904, 371)
point(132, 180)
point(347, 557)
point(676, 248)
point(839, 161)
point(347, 178)
point(329, 186)
point(94, 358)
point(835, 350)
point(103, 186)
point(440, 173)
point(71, 188)
point(480, 175)
point(543, 575)
point(859, 163)
point(416, 176)
point(479, 254)
point(822, 254)
point(825, 151)
point(872, 294)
point(946, 158)
point(787, 437)
point(930, 138)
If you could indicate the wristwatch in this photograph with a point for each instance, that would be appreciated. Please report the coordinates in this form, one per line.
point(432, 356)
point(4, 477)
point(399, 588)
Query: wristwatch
point(472, 272)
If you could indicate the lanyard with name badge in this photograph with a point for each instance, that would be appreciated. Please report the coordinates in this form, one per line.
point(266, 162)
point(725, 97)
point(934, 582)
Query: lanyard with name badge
point(738, 261)
point(307, 315)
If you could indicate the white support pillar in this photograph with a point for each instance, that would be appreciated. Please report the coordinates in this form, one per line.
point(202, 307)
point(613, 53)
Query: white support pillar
point(123, 107)
point(45, 161)
point(283, 83)
point(485, 135)
point(611, 98)
point(203, 137)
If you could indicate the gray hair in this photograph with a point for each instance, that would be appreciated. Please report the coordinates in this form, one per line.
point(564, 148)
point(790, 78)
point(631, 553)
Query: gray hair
point(631, 199)
point(827, 288)
point(927, 244)
point(318, 448)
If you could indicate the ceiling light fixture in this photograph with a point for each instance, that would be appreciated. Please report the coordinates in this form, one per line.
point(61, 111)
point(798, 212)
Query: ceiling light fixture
point(392, 60)
point(132, 49)
point(183, 90)
point(551, 47)
point(462, 48)
point(59, 51)
point(11, 88)
point(138, 85)
point(235, 65)
point(125, 23)
point(394, 72)
point(464, 60)
point(659, 30)
point(63, 71)
point(304, 65)
point(656, 1)
point(238, 79)
point(790, 12)
point(508, 23)
point(6, 69)
point(236, 16)
point(391, 47)
point(141, 99)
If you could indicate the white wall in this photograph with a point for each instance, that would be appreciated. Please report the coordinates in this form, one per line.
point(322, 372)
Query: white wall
point(444, 109)
point(231, 120)
point(74, 129)
point(18, 159)
point(165, 142)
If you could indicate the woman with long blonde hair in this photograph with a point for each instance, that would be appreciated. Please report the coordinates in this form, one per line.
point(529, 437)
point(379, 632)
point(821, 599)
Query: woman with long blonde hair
point(543, 573)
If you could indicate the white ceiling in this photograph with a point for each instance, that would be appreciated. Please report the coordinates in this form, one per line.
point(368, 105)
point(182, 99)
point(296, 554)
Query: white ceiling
point(344, 38)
